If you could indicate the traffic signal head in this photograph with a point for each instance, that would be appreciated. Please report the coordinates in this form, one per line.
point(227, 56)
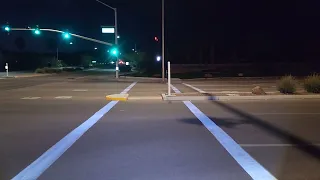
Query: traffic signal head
point(37, 31)
point(114, 51)
point(66, 35)
point(7, 28)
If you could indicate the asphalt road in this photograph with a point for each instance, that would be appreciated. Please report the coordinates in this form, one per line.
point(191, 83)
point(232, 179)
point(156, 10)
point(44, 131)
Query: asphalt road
point(150, 139)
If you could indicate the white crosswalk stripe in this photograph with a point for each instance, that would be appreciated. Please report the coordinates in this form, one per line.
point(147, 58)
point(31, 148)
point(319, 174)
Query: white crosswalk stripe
point(30, 98)
point(63, 97)
point(80, 90)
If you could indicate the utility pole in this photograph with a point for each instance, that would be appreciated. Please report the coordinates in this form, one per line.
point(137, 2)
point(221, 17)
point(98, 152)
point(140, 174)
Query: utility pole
point(163, 46)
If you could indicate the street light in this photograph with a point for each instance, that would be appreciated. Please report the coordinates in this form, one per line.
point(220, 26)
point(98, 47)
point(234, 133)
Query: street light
point(115, 32)
point(158, 58)
point(71, 43)
point(95, 48)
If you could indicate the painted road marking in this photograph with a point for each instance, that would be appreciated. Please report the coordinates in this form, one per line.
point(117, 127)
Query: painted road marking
point(36, 168)
point(248, 163)
point(276, 145)
point(233, 94)
point(80, 90)
point(30, 98)
point(63, 97)
point(192, 87)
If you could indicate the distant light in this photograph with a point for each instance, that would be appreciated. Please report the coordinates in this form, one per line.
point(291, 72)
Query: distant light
point(156, 38)
point(7, 28)
point(121, 62)
point(71, 43)
point(37, 31)
point(95, 48)
point(132, 49)
point(158, 58)
point(112, 62)
point(108, 30)
point(118, 37)
point(66, 35)
point(94, 62)
point(127, 63)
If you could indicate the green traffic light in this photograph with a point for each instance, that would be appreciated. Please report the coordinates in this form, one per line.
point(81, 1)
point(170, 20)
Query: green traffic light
point(37, 32)
point(114, 51)
point(7, 28)
point(66, 35)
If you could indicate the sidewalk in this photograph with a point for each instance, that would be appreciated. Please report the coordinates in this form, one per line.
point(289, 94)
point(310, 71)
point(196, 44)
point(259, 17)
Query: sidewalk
point(200, 94)
point(20, 74)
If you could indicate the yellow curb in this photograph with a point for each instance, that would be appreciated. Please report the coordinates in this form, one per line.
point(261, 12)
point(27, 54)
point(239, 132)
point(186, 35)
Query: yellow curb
point(117, 97)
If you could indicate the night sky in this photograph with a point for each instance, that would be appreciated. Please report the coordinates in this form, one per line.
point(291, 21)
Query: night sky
point(228, 30)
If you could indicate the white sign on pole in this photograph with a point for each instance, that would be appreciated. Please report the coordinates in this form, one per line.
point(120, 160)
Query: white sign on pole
point(7, 69)
point(108, 30)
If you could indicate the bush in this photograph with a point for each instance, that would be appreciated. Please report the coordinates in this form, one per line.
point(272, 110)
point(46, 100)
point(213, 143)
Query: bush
point(39, 70)
point(287, 85)
point(312, 83)
point(47, 70)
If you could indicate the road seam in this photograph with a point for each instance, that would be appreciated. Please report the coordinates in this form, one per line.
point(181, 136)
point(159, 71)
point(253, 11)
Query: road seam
point(248, 163)
point(37, 167)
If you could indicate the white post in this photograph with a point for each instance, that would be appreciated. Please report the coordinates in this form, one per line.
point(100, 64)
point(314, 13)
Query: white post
point(169, 79)
point(7, 69)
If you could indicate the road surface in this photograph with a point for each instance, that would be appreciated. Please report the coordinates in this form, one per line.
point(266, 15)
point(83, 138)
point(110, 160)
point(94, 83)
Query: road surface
point(61, 127)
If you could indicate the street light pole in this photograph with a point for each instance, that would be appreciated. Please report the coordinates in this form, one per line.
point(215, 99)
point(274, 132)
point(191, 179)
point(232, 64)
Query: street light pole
point(115, 32)
point(163, 56)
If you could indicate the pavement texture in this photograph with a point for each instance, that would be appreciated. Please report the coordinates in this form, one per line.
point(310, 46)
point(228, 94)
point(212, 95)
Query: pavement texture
point(150, 139)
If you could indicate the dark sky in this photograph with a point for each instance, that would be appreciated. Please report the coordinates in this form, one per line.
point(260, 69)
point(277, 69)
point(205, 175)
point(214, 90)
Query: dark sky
point(202, 29)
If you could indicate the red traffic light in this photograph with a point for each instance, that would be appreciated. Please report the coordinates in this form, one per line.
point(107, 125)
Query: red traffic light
point(156, 38)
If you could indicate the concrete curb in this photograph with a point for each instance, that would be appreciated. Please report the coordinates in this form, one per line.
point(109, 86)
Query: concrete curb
point(117, 97)
point(33, 75)
point(147, 79)
point(236, 78)
point(224, 98)
point(144, 98)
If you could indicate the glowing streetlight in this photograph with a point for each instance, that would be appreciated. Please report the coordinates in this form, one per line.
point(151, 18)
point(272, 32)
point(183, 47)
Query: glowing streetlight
point(158, 58)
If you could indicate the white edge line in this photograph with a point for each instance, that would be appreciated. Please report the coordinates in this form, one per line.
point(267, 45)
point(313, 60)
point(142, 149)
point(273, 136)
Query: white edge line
point(249, 164)
point(30, 98)
point(37, 167)
point(275, 145)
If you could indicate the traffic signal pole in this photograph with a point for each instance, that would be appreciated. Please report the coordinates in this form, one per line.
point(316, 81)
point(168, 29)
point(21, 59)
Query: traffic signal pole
point(58, 31)
point(116, 39)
